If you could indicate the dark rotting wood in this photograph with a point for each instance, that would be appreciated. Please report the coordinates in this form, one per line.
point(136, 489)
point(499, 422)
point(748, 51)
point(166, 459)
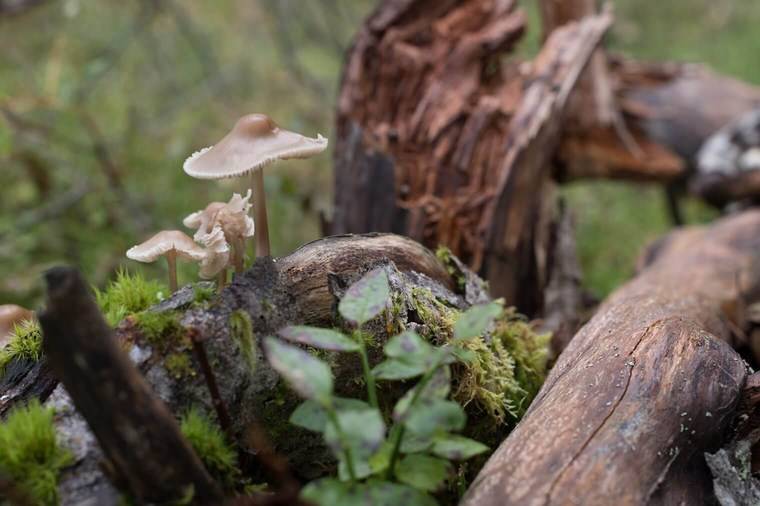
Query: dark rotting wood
point(138, 434)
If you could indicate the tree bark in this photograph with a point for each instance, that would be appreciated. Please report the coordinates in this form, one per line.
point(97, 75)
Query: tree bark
point(138, 434)
point(643, 389)
point(441, 140)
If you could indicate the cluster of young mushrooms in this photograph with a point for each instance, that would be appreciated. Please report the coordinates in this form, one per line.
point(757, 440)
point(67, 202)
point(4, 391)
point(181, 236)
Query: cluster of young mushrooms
point(222, 228)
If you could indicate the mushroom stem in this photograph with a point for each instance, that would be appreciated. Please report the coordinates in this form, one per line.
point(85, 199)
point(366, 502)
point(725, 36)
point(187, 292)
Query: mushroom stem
point(171, 260)
point(221, 280)
point(260, 213)
point(238, 255)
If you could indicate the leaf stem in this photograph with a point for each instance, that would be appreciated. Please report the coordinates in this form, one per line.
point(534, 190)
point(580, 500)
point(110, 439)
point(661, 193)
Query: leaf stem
point(398, 430)
point(331, 414)
point(368, 377)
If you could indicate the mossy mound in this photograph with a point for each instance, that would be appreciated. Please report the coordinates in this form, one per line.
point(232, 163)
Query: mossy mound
point(30, 454)
point(128, 294)
point(511, 359)
point(25, 344)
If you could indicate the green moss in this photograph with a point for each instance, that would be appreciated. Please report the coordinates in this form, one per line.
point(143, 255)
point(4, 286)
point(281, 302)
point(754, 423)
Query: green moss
point(241, 330)
point(211, 447)
point(128, 294)
point(25, 344)
point(202, 293)
point(446, 257)
point(161, 329)
point(437, 317)
point(510, 365)
point(179, 365)
point(30, 454)
point(508, 371)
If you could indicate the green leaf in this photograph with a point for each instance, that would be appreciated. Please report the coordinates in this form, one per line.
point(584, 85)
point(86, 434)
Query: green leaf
point(454, 447)
point(406, 344)
point(475, 321)
point(366, 298)
point(394, 369)
point(307, 375)
point(324, 339)
point(414, 443)
point(311, 416)
point(331, 492)
point(463, 354)
point(433, 416)
point(362, 432)
point(381, 459)
point(438, 387)
point(422, 472)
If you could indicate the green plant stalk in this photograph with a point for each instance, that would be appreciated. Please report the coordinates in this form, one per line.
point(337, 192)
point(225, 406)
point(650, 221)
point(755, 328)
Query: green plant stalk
point(398, 430)
point(368, 377)
point(349, 458)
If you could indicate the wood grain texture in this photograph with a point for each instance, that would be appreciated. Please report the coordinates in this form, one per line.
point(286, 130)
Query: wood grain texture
point(643, 389)
point(438, 134)
point(307, 269)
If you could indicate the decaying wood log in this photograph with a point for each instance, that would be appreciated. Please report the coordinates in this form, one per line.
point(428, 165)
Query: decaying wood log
point(441, 140)
point(137, 433)
point(301, 288)
point(643, 390)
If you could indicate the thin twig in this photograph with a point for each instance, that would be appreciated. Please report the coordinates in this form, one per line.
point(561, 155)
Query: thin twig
point(225, 422)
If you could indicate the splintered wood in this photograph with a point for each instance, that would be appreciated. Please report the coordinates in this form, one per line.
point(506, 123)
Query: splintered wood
point(433, 122)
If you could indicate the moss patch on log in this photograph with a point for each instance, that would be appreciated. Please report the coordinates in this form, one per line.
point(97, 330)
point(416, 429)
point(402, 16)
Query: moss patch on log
point(208, 442)
point(30, 454)
point(25, 344)
point(511, 359)
point(128, 294)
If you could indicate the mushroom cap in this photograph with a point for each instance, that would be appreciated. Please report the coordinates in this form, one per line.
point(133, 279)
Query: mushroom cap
point(234, 218)
point(254, 142)
point(10, 316)
point(203, 220)
point(164, 242)
point(217, 254)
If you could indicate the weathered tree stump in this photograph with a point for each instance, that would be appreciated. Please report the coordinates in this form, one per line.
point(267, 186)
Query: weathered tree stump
point(442, 140)
point(643, 389)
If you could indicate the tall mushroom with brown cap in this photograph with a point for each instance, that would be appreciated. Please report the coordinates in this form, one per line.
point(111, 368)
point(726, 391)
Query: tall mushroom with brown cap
point(254, 142)
point(234, 221)
point(10, 316)
point(169, 243)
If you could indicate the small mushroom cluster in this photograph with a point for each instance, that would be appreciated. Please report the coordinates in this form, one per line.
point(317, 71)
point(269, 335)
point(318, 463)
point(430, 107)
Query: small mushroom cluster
point(222, 228)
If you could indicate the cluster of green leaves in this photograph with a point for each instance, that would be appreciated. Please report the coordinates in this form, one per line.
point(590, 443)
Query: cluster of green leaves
point(209, 443)
point(398, 460)
point(25, 344)
point(30, 454)
point(128, 294)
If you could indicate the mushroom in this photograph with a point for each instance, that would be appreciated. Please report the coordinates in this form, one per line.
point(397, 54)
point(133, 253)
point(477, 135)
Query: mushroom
point(172, 244)
point(203, 220)
point(10, 316)
point(254, 142)
point(234, 221)
point(217, 257)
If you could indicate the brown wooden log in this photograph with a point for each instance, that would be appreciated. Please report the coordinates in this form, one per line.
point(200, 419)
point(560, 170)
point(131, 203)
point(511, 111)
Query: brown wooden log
point(438, 135)
point(138, 434)
point(643, 390)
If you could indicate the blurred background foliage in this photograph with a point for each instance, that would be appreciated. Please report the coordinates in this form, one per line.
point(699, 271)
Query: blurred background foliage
point(100, 103)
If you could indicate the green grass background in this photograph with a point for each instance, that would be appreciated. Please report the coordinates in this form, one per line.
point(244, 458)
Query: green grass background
point(162, 79)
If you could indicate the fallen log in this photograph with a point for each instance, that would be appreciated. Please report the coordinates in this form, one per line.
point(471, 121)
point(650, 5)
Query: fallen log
point(301, 288)
point(643, 389)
